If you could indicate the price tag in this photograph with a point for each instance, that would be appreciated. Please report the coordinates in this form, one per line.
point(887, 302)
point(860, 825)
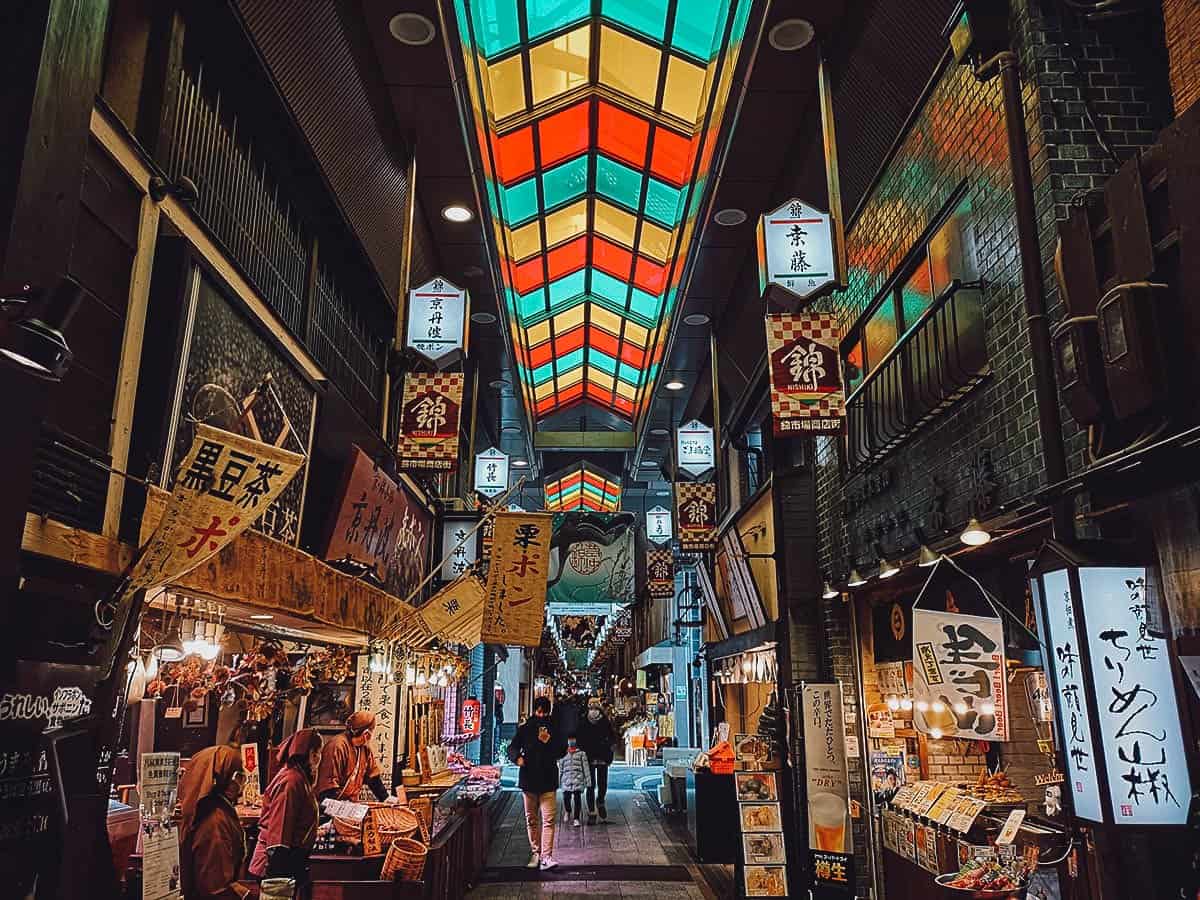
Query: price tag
point(1009, 831)
point(173, 712)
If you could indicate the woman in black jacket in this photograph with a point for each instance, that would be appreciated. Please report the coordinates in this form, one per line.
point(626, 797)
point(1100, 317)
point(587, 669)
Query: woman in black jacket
point(596, 738)
point(535, 749)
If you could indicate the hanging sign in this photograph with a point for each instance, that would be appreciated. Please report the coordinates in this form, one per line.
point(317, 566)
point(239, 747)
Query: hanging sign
point(658, 524)
point(376, 693)
point(696, 509)
point(660, 573)
point(796, 251)
point(252, 790)
point(806, 373)
point(429, 421)
point(454, 615)
point(491, 472)
point(437, 321)
point(470, 719)
point(516, 586)
point(829, 834)
point(694, 448)
point(158, 785)
point(959, 676)
point(460, 547)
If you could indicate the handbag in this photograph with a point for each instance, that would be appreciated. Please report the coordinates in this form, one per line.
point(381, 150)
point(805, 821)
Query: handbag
point(290, 862)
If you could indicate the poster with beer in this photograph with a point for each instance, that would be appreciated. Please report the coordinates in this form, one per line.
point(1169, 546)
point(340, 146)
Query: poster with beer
point(828, 786)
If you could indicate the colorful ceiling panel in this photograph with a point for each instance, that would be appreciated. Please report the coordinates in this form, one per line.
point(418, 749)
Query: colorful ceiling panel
point(582, 487)
point(597, 122)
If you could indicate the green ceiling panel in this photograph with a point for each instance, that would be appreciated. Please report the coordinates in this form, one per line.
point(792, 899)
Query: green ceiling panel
point(663, 203)
point(565, 183)
point(701, 30)
point(618, 182)
point(519, 202)
point(545, 16)
point(647, 16)
point(496, 25)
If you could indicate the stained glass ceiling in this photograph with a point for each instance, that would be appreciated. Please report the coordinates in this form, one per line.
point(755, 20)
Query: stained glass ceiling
point(582, 487)
point(597, 123)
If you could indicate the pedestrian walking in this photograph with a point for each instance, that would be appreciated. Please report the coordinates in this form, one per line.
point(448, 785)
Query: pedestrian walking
point(575, 776)
point(535, 749)
point(596, 738)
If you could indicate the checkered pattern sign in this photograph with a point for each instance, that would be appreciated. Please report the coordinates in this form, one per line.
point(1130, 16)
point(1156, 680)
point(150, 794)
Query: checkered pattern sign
point(806, 374)
point(696, 513)
point(429, 421)
point(660, 571)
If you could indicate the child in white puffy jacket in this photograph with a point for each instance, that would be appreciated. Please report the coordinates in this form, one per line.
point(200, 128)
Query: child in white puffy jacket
point(575, 777)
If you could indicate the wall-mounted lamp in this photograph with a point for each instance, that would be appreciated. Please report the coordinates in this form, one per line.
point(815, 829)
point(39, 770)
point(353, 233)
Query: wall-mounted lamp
point(975, 535)
point(829, 592)
point(36, 345)
point(854, 579)
point(886, 568)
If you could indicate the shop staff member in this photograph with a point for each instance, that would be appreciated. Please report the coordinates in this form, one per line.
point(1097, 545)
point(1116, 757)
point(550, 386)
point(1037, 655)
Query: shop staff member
point(347, 762)
point(288, 826)
point(212, 844)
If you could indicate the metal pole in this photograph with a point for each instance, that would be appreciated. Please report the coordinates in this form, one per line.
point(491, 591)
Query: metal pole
point(833, 181)
point(716, 413)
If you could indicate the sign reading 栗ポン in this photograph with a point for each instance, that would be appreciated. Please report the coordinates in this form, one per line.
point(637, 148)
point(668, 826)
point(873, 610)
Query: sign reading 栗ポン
point(437, 321)
point(694, 448)
point(516, 586)
point(491, 472)
point(806, 373)
point(795, 250)
point(429, 421)
point(829, 832)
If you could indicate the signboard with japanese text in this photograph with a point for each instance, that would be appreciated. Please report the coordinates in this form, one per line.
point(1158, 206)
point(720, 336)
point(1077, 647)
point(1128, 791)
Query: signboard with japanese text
point(438, 313)
point(696, 513)
point(460, 546)
point(471, 717)
point(660, 573)
point(593, 560)
point(959, 676)
point(380, 523)
point(491, 472)
point(376, 693)
point(658, 524)
point(224, 483)
point(828, 787)
point(252, 790)
point(158, 784)
point(514, 612)
point(453, 615)
point(694, 448)
point(806, 373)
point(429, 418)
point(796, 250)
point(160, 861)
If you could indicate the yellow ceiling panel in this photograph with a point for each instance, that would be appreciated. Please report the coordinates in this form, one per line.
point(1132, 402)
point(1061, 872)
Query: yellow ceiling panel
point(543, 390)
point(629, 66)
point(573, 377)
point(684, 90)
point(655, 242)
point(569, 319)
point(635, 333)
point(566, 223)
point(525, 241)
point(609, 321)
point(538, 333)
point(625, 390)
point(506, 87)
point(560, 64)
point(601, 379)
point(615, 223)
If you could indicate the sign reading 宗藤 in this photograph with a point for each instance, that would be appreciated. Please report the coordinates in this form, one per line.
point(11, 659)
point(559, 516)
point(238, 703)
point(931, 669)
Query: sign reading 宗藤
point(694, 448)
point(437, 321)
point(491, 472)
point(796, 250)
point(658, 524)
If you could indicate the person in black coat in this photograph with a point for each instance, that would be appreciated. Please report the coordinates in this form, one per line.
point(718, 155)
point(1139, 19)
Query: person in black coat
point(536, 749)
point(596, 738)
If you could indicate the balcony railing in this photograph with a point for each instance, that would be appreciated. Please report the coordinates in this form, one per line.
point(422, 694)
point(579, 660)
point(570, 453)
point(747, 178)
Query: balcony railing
point(936, 363)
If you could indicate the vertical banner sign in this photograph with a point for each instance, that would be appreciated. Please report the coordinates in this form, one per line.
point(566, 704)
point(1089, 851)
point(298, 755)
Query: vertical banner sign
point(460, 547)
point(658, 525)
point(224, 483)
point(437, 321)
point(694, 448)
point(376, 693)
point(429, 421)
point(252, 790)
point(806, 373)
point(660, 573)
point(470, 719)
point(959, 676)
point(829, 832)
point(795, 251)
point(491, 472)
point(516, 587)
point(158, 786)
point(454, 615)
point(696, 508)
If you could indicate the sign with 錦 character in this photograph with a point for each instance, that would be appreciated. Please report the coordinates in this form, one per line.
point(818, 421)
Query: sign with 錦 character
point(376, 693)
point(830, 836)
point(694, 448)
point(460, 546)
point(658, 524)
point(806, 373)
point(696, 513)
point(380, 523)
point(491, 472)
point(796, 248)
point(660, 573)
point(437, 321)
point(224, 483)
point(516, 587)
point(429, 421)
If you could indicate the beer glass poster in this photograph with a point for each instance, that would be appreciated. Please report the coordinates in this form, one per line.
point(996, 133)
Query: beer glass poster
point(829, 834)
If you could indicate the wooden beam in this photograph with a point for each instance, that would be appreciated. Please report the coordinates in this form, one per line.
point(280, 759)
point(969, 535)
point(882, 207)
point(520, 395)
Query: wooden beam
point(48, 537)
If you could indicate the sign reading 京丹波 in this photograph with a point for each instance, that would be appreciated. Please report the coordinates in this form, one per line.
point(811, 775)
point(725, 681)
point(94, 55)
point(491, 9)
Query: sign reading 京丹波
point(806, 373)
point(696, 510)
point(429, 421)
point(515, 605)
point(437, 321)
point(796, 250)
point(694, 448)
point(959, 676)
point(658, 524)
point(376, 693)
point(460, 547)
point(491, 472)
point(829, 832)
point(660, 573)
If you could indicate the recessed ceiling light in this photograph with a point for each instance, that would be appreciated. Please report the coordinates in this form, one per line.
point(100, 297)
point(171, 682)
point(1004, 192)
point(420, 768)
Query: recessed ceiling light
point(457, 213)
point(659, 432)
point(498, 384)
point(791, 34)
point(472, 271)
point(511, 428)
point(262, 617)
point(730, 217)
point(412, 29)
point(696, 319)
point(520, 464)
point(674, 385)
point(483, 318)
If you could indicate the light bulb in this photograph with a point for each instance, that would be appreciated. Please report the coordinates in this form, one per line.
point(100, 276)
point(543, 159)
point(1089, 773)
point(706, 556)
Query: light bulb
point(421, 679)
point(988, 708)
point(209, 651)
point(906, 703)
point(939, 706)
point(975, 535)
point(151, 666)
point(935, 733)
point(893, 703)
point(922, 706)
point(960, 708)
point(410, 673)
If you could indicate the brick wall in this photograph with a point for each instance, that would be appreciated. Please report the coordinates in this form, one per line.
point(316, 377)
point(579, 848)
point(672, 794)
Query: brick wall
point(1181, 19)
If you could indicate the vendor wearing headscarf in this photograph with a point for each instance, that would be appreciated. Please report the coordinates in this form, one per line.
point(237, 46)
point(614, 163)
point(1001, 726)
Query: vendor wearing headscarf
point(347, 762)
point(288, 826)
point(212, 844)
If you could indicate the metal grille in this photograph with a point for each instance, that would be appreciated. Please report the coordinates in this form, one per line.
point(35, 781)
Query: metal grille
point(70, 480)
point(239, 200)
point(349, 350)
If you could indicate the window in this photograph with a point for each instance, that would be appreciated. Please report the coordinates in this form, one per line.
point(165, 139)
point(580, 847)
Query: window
point(920, 346)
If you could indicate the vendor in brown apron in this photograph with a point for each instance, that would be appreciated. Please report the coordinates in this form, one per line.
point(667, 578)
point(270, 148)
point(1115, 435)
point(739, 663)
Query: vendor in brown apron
point(347, 762)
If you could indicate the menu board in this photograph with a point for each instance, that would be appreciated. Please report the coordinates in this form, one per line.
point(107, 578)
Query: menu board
point(926, 845)
point(964, 814)
point(906, 839)
point(904, 797)
point(944, 805)
point(936, 789)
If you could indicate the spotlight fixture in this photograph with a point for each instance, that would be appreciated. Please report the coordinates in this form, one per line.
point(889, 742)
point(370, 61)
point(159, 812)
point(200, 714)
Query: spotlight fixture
point(886, 568)
point(498, 384)
point(674, 385)
point(854, 579)
point(659, 432)
point(483, 318)
point(927, 557)
point(412, 29)
point(511, 429)
point(829, 592)
point(730, 217)
point(520, 464)
point(458, 213)
point(975, 535)
point(36, 346)
point(791, 34)
point(696, 319)
point(262, 617)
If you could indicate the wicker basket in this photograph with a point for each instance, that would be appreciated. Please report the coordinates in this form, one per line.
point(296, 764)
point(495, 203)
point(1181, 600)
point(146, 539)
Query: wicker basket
point(423, 807)
point(384, 824)
point(405, 860)
point(348, 830)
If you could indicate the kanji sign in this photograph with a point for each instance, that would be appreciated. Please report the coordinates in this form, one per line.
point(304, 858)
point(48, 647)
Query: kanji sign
point(470, 719)
point(959, 676)
point(694, 448)
point(696, 513)
point(658, 524)
point(460, 547)
point(796, 250)
point(491, 472)
point(660, 573)
point(830, 836)
point(376, 693)
point(454, 615)
point(516, 585)
point(429, 421)
point(806, 373)
point(437, 321)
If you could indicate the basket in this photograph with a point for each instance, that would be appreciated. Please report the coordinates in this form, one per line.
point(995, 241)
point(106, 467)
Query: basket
point(405, 860)
point(384, 824)
point(423, 807)
point(348, 830)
